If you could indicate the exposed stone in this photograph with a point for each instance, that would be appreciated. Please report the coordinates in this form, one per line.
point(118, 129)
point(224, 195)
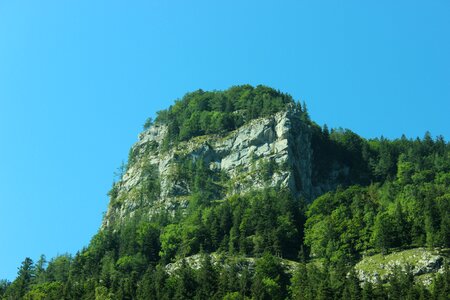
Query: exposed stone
point(282, 138)
point(221, 260)
point(379, 268)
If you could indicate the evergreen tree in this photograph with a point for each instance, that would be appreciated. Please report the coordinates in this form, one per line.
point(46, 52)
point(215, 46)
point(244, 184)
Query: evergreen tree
point(184, 282)
point(22, 284)
point(207, 278)
point(299, 288)
point(4, 284)
point(367, 291)
point(40, 270)
point(146, 287)
point(159, 279)
point(353, 286)
point(383, 233)
point(269, 280)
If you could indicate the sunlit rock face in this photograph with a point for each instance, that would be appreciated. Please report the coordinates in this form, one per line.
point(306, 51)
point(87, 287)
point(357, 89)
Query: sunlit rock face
point(268, 152)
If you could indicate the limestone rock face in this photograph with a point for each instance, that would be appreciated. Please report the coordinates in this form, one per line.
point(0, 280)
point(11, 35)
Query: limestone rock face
point(379, 268)
point(281, 140)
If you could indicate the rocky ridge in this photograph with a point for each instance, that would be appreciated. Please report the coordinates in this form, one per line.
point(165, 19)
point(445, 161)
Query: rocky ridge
point(282, 140)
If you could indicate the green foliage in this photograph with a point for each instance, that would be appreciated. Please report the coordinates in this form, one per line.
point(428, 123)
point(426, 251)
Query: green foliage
point(300, 288)
point(45, 291)
point(337, 151)
point(207, 277)
point(22, 284)
point(170, 241)
point(4, 284)
point(270, 280)
point(201, 112)
point(338, 224)
point(148, 123)
point(204, 183)
point(409, 208)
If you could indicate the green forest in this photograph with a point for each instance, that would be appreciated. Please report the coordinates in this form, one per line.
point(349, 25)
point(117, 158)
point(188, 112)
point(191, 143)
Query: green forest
point(201, 112)
point(267, 243)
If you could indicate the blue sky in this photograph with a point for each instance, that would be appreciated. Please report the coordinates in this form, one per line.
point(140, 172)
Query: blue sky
point(79, 78)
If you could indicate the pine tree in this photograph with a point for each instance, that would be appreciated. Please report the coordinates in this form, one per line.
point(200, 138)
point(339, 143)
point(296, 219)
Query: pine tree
point(367, 291)
point(382, 232)
point(4, 284)
point(146, 286)
point(40, 267)
point(185, 282)
point(299, 288)
point(353, 285)
point(22, 284)
point(207, 278)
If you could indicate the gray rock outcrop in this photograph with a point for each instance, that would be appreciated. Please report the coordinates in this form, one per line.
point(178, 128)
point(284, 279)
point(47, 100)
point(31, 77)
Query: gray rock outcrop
point(282, 139)
point(420, 262)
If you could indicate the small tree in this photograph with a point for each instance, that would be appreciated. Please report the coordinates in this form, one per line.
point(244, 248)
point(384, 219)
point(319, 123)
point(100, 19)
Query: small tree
point(3, 286)
point(148, 123)
point(121, 170)
point(22, 284)
point(382, 233)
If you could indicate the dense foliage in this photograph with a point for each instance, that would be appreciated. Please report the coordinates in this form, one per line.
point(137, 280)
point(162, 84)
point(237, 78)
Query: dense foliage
point(202, 112)
point(232, 278)
point(267, 244)
point(407, 202)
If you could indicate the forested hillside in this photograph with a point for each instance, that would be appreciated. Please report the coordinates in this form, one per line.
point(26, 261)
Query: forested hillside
point(298, 237)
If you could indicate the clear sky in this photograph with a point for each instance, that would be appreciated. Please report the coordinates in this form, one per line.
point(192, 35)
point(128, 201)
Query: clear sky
point(79, 78)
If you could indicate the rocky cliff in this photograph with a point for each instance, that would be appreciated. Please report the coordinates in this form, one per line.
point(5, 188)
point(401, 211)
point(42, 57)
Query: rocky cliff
point(273, 151)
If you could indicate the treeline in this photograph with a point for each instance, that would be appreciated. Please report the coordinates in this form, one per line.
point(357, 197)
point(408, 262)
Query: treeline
point(232, 278)
point(402, 196)
point(376, 160)
point(247, 225)
point(129, 263)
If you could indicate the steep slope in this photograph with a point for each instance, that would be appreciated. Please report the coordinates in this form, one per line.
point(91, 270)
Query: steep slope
point(268, 152)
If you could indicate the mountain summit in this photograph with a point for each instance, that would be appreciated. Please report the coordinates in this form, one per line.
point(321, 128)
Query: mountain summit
point(238, 194)
point(225, 143)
